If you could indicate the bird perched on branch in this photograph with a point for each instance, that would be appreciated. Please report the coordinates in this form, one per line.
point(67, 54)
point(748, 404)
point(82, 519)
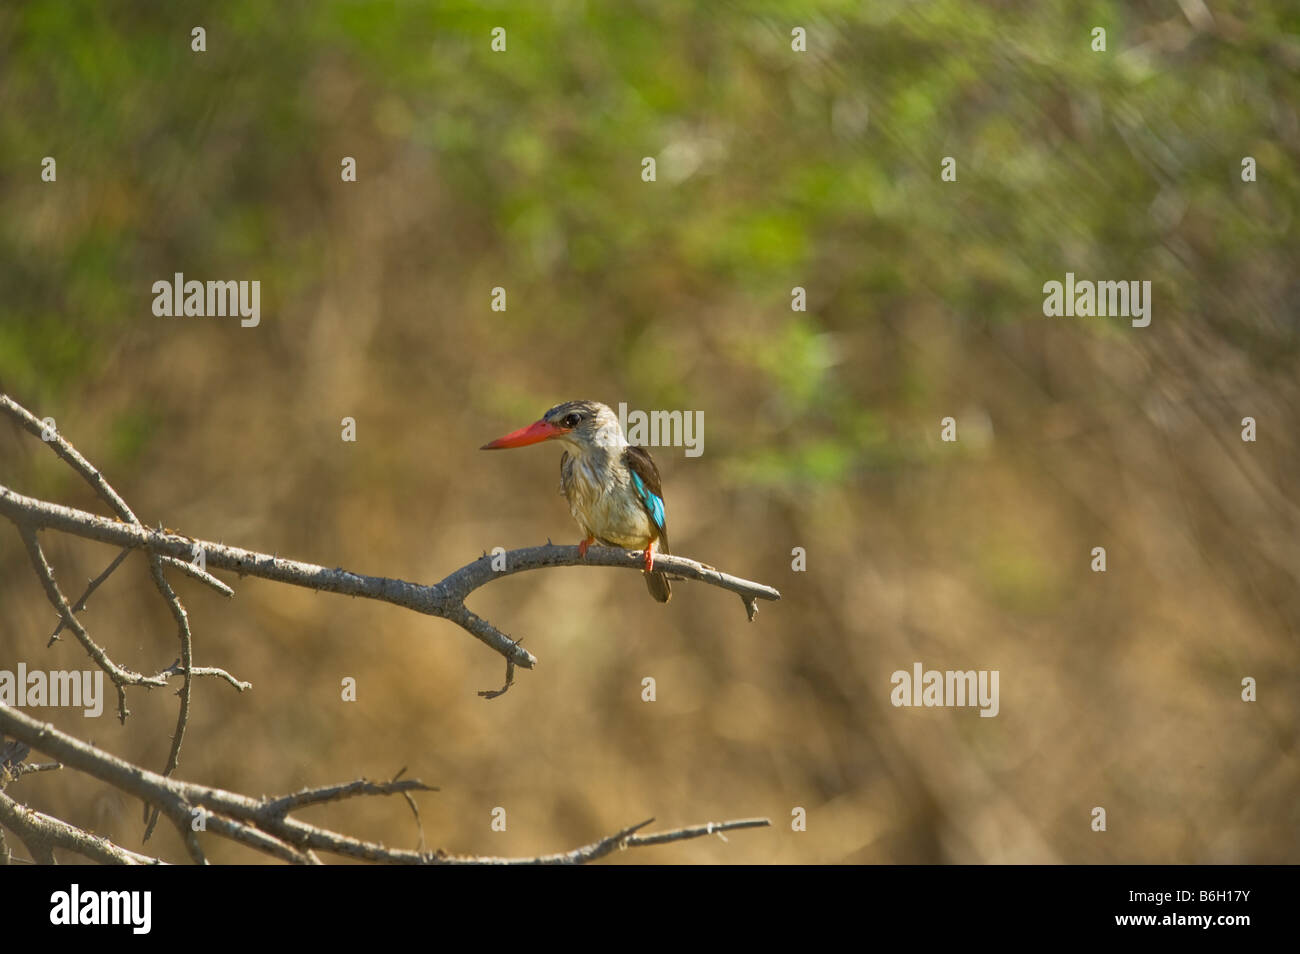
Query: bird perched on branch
point(613, 488)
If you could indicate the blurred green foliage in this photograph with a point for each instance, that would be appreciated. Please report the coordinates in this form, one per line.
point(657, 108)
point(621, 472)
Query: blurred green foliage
point(775, 168)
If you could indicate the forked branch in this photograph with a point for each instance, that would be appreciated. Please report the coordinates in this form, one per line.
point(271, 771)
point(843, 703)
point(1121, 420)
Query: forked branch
point(264, 824)
point(444, 599)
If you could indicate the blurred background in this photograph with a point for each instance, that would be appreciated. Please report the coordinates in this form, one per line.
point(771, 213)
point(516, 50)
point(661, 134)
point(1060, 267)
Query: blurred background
point(776, 169)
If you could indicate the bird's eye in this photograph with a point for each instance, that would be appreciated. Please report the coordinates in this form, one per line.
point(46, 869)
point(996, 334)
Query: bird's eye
point(571, 420)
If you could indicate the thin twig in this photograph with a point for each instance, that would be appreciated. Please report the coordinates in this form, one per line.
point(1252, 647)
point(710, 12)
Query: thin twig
point(120, 677)
point(510, 681)
point(175, 669)
point(333, 793)
point(19, 771)
point(694, 831)
point(80, 605)
point(203, 576)
point(187, 652)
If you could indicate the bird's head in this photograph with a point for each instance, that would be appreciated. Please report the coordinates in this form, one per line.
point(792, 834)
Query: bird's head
point(582, 426)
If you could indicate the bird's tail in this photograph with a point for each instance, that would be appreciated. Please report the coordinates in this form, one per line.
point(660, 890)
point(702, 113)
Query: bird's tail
point(658, 586)
point(656, 582)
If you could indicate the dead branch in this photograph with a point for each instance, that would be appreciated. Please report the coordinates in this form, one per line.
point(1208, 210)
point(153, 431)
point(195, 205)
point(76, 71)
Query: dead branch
point(95, 479)
point(627, 838)
point(444, 599)
point(265, 824)
point(43, 833)
point(333, 793)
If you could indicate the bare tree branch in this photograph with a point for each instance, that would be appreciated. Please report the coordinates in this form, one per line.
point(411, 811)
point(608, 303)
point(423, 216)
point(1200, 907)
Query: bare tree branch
point(101, 486)
point(35, 828)
point(264, 824)
point(628, 839)
point(35, 769)
point(469, 578)
point(333, 793)
point(175, 668)
point(12, 766)
point(94, 584)
point(442, 599)
point(92, 476)
point(187, 651)
point(119, 676)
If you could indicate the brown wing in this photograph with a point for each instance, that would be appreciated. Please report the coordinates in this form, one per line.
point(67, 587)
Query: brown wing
point(641, 464)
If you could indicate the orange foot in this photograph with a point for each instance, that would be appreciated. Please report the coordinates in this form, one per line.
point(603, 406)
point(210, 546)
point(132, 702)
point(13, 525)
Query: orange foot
point(582, 547)
point(650, 558)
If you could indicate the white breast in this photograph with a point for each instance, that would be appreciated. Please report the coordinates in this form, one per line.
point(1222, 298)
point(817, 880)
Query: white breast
point(608, 511)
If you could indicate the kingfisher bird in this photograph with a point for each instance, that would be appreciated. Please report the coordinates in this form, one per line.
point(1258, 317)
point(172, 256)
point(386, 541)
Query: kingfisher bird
point(612, 487)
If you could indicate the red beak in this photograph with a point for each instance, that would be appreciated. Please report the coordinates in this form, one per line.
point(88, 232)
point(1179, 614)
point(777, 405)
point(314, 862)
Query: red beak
point(532, 434)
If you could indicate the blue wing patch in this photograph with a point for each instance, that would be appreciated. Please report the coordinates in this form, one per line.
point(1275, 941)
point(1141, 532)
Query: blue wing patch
point(653, 502)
